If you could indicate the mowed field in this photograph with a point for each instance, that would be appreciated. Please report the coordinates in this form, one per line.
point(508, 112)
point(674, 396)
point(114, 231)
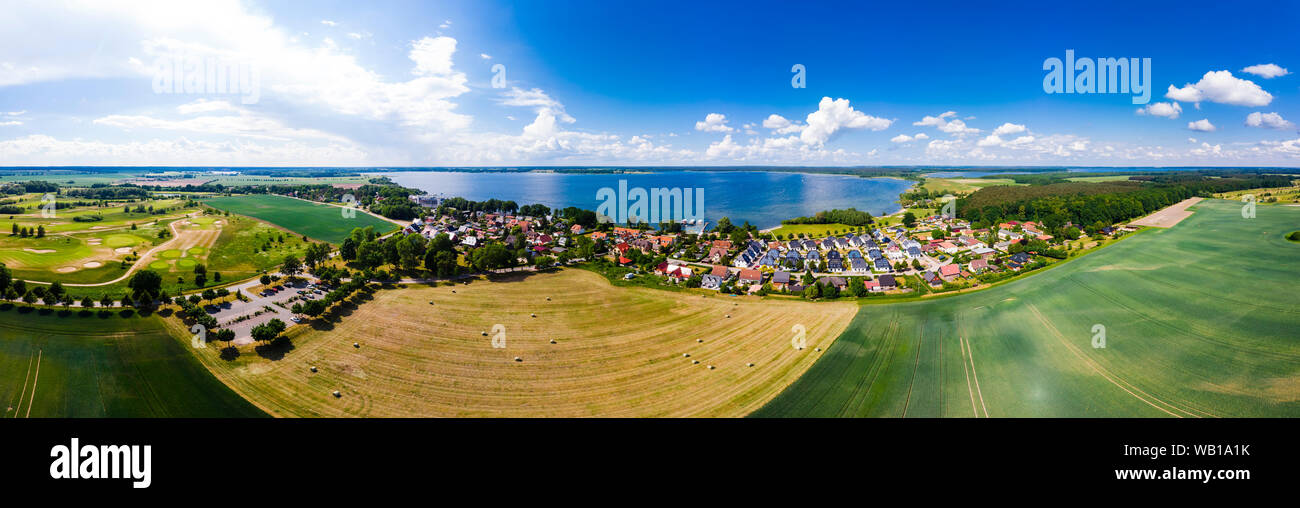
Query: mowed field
point(618, 352)
point(1200, 320)
point(57, 364)
point(317, 221)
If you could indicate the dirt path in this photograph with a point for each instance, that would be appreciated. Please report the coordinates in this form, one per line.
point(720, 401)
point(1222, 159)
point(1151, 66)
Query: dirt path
point(1169, 216)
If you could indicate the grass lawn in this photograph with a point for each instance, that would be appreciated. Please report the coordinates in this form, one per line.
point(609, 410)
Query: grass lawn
point(247, 247)
point(618, 352)
point(317, 221)
point(962, 185)
point(1193, 328)
point(813, 230)
point(55, 365)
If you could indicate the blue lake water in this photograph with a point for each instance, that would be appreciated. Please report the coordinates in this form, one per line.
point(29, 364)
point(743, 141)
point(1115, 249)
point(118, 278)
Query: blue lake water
point(763, 198)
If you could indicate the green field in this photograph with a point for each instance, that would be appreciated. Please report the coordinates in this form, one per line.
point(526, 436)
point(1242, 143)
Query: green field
point(788, 231)
point(1200, 320)
point(320, 222)
point(111, 366)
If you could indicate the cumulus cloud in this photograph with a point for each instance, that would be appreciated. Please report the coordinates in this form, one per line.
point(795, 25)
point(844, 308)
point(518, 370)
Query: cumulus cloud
point(1268, 120)
point(904, 138)
point(780, 125)
point(1165, 109)
point(955, 127)
point(1266, 71)
point(1008, 128)
point(714, 122)
point(1202, 125)
point(833, 116)
point(1221, 87)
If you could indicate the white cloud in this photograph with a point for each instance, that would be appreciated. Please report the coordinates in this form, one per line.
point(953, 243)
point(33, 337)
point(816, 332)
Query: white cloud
point(485, 56)
point(1202, 125)
point(1008, 128)
point(1266, 71)
point(713, 122)
point(904, 138)
point(1268, 120)
point(955, 127)
point(204, 106)
point(1221, 87)
point(16, 113)
point(833, 116)
point(327, 22)
point(1165, 109)
point(781, 125)
point(10, 123)
point(43, 149)
point(445, 24)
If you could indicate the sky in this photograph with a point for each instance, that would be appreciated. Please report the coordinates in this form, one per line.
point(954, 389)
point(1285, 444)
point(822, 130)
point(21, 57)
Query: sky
point(488, 83)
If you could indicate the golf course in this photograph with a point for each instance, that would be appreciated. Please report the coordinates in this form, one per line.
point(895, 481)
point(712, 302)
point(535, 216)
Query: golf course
point(1198, 320)
point(317, 221)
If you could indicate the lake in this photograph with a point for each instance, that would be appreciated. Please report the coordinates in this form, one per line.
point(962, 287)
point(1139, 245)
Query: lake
point(763, 198)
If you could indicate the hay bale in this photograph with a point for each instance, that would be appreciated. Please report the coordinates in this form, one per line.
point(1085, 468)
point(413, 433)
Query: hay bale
point(750, 364)
point(548, 298)
point(356, 345)
point(533, 315)
point(313, 368)
point(552, 341)
point(710, 367)
point(728, 316)
point(485, 333)
point(817, 349)
point(686, 355)
point(337, 394)
point(518, 359)
point(695, 362)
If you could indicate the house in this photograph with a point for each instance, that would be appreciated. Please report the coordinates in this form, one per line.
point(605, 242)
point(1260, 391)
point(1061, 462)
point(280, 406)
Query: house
point(947, 247)
point(949, 271)
point(838, 282)
point(1007, 234)
point(983, 252)
point(861, 265)
point(1020, 257)
point(751, 276)
point(1002, 246)
point(793, 260)
point(720, 272)
point(881, 265)
point(710, 281)
point(470, 241)
point(716, 254)
point(725, 244)
point(931, 278)
point(979, 265)
point(810, 261)
point(781, 280)
point(872, 286)
point(577, 229)
point(887, 283)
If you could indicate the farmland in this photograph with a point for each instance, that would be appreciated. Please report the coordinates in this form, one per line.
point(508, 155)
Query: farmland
point(1198, 320)
point(73, 364)
point(617, 352)
point(317, 221)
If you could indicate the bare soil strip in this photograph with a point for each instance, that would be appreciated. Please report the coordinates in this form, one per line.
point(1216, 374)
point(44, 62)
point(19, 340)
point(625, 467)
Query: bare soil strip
point(1169, 216)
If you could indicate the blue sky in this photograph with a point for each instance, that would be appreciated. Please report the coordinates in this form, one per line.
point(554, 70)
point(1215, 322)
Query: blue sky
point(690, 83)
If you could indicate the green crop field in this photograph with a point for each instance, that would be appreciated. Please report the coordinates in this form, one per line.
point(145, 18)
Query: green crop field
point(320, 222)
point(1199, 320)
point(66, 364)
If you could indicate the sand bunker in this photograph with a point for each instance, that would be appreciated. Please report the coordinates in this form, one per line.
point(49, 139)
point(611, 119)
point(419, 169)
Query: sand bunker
point(94, 241)
point(67, 269)
point(92, 264)
point(98, 227)
point(40, 251)
point(122, 250)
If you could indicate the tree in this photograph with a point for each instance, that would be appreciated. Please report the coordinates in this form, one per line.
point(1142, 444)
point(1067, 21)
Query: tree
point(909, 219)
point(106, 301)
point(87, 302)
point(146, 285)
point(291, 266)
point(316, 254)
point(209, 294)
point(410, 251)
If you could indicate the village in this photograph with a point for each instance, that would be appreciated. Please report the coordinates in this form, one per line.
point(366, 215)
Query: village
point(932, 254)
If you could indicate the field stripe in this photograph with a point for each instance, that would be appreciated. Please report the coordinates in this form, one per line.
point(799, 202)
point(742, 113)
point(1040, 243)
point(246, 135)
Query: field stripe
point(1098, 369)
point(969, 388)
point(971, 352)
point(26, 377)
point(34, 379)
point(915, 367)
